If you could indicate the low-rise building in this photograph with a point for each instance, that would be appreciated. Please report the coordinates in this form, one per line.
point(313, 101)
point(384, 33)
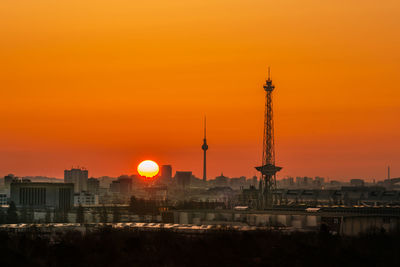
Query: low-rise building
point(42, 195)
point(85, 199)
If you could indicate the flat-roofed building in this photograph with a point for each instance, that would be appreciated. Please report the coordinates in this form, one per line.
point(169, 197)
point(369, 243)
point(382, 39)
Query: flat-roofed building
point(86, 199)
point(78, 177)
point(166, 174)
point(123, 185)
point(43, 195)
point(183, 178)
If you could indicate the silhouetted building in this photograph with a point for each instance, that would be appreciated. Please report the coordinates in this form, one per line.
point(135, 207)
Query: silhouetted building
point(221, 180)
point(319, 180)
point(166, 173)
point(3, 199)
point(286, 182)
point(157, 192)
point(249, 197)
point(43, 195)
point(183, 178)
point(8, 179)
point(304, 181)
point(123, 185)
point(255, 181)
point(78, 177)
point(85, 199)
point(93, 185)
point(238, 182)
point(357, 182)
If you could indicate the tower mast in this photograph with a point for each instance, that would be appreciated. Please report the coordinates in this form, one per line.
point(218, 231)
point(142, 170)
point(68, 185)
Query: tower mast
point(204, 147)
point(268, 169)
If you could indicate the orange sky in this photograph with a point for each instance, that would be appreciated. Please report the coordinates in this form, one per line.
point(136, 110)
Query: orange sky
point(105, 84)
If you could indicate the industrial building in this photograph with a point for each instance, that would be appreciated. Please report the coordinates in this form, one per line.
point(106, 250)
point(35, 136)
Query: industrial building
point(43, 195)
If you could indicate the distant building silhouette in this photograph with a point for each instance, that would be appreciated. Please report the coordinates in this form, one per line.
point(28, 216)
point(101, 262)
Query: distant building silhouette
point(166, 173)
point(357, 182)
point(122, 185)
point(78, 177)
point(183, 178)
point(221, 180)
point(3, 199)
point(85, 199)
point(8, 179)
point(93, 185)
point(43, 195)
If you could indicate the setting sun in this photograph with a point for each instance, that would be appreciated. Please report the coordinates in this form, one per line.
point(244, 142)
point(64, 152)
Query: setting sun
point(148, 168)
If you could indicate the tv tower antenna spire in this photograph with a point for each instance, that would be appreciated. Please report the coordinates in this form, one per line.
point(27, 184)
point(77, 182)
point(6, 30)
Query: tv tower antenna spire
point(204, 147)
point(268, 169)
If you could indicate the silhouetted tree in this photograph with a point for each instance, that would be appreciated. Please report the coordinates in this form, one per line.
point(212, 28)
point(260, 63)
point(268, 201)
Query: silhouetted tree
point(47, 218)
point(24, 215)
point(64, 216)
point(94, 213)
point(103, 215)
point(12, 216)
point(80, 215)
point(116, 214)
point(133, 204)
point(31, 215)
point(57, 216)
point(60, 216)
point(2, 216)
point(112, 247)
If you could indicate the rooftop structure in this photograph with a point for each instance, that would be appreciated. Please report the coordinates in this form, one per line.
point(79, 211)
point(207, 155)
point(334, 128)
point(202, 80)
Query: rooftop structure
point(77, 176)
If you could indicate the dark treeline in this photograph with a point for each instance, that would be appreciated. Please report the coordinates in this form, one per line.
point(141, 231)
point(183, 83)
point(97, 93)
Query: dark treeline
point(198, 205)
point(11, 216)
point(131, 248)
point(145, 206)
point(148, 206)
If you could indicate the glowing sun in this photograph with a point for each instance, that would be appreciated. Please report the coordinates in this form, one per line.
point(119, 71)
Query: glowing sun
point(148, 168)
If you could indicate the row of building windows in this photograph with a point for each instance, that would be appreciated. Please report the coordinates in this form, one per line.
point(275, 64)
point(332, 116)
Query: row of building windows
point(64, 198)
point(32, 196)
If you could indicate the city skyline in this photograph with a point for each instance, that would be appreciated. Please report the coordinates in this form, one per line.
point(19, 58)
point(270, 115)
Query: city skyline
point(111, 86)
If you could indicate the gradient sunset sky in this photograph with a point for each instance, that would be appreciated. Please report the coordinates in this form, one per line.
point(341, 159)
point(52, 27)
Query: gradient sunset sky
point(106, 84)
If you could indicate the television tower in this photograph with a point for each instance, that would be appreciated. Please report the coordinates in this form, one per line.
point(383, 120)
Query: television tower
point(205, 147)
point(268, 169)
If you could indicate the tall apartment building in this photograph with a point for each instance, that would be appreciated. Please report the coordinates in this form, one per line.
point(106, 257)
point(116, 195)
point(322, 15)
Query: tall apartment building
point(123, 185)
point(78, 177)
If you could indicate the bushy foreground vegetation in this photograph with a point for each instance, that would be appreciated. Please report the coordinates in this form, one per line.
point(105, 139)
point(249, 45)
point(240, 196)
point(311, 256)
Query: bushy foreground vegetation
point(127, 248)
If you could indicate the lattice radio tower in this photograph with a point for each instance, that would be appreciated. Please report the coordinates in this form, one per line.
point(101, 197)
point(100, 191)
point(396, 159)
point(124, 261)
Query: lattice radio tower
point(268, 169)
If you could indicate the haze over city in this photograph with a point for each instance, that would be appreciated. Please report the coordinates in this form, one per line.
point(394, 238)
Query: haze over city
point(107, 86)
